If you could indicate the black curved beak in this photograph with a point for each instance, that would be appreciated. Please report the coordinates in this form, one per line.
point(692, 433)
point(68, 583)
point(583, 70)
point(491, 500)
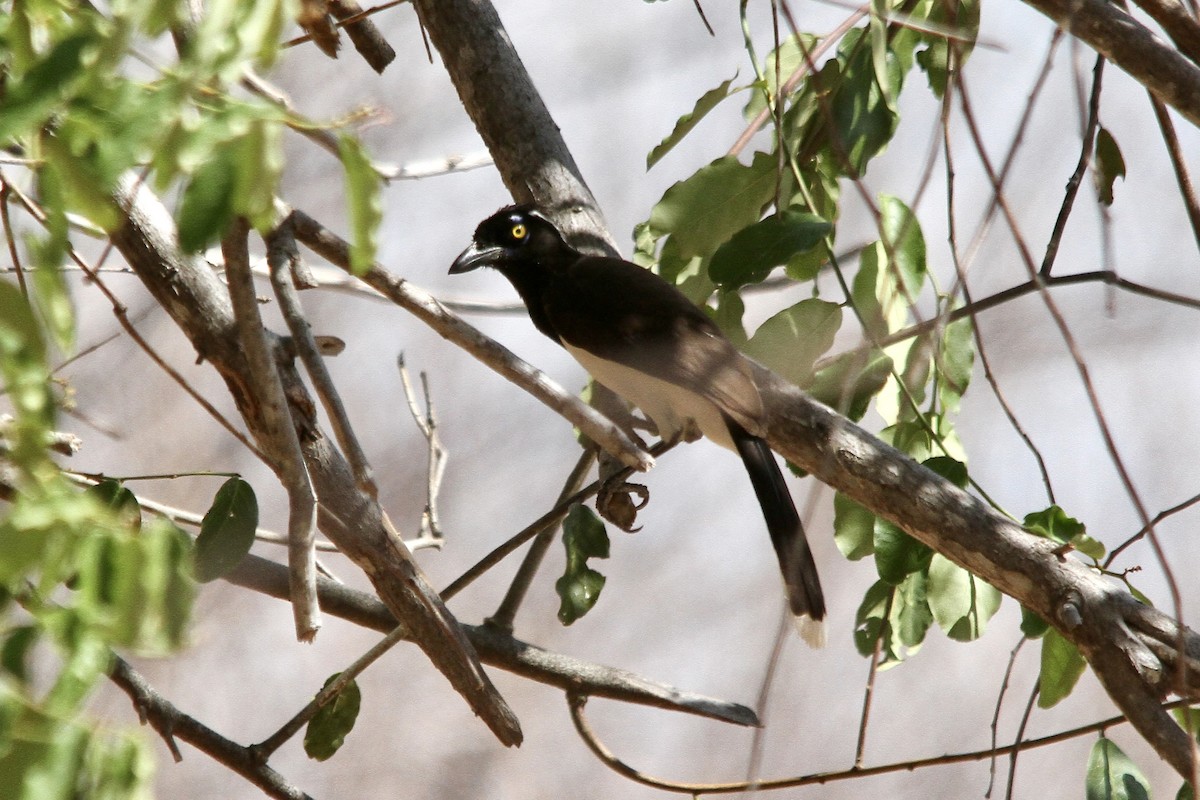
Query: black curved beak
point(475, 257)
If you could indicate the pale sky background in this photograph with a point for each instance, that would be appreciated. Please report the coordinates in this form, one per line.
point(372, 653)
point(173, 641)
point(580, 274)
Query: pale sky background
point(693, 599)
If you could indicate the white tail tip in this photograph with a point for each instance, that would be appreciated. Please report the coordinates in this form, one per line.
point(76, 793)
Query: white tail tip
point(812, 631)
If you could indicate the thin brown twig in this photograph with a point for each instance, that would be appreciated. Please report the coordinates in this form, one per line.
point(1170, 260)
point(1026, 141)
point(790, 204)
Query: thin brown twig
point(1085, 159)
point(995, 725)
point(6, 221)
point(1171, 140)
point(430, 531)
point(576, 703)
point(1016, 748)
point(172, 724)
point(506, 612)
point(551, 518)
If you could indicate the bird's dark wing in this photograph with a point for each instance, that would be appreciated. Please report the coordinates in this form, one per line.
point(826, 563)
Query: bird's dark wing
point(649, 325)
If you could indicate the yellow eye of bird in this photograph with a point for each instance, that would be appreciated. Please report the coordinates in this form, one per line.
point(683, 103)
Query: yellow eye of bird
point(518, 231)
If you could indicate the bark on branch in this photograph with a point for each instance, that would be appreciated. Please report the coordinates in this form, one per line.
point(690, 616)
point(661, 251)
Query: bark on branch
point(352, 519)
point(1133, 649)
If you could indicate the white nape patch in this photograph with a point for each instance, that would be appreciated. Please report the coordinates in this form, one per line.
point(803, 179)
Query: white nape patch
point(669, 405)
point(812, 631)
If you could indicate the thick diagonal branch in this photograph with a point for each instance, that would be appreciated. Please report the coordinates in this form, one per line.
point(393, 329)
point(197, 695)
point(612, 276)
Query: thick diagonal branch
point(198, 302)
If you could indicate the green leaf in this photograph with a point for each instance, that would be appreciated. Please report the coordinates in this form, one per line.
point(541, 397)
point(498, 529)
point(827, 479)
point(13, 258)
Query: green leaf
point(1053, 523)
point(14, 653)
point(327, 731)
point(853, 528)
point(579, 587)
point(754, 251)
point(1185, 793)
point(863, 106)
point(716, 202)
point(364, 201)
point(955, 363)
point(791, 56)
point(850, 381)
point(1111, 775)
point(897, 554)
point(30, 100)
point(1062, 665)
point(961, 603)
point(227, 531)
point(707, 102)
point(905, 243)
point(791, 341)
point(208, 202)
point(1032, 625)
point(949, 468)
point(1109, 165)
point(959, 19)
point(115, 496)
point(259, 155)
point(895, 617)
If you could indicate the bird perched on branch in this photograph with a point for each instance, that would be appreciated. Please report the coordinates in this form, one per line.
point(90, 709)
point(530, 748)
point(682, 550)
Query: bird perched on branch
point(642, 338)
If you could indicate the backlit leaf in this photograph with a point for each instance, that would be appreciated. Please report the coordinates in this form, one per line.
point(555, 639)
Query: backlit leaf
point(961, 603)
point(1062, 665)
point(227, 531)
point(751, 254)
point(707, 102)
point(1111, 775)
point(579, 587)
point(364, 203)
point(327, 730)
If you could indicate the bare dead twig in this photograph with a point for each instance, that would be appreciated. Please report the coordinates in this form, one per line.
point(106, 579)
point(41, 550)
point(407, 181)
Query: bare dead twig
point(501, 650)
point(172, 724)
point(430, 532)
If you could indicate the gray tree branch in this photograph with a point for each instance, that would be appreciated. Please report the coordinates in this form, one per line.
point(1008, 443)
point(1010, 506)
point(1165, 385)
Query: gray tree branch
point(500, 649)
point(1134, 650)
point(191, 293)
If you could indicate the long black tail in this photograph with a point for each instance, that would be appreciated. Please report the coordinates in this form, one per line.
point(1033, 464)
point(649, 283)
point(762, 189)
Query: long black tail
point(783, 523)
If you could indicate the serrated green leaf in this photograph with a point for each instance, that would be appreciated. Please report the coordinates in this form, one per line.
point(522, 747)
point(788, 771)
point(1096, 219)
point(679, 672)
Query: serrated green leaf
point(1062, 665)
point(751, 254)
point(897, 554)
point(208, 202)
point(961, 603)
point(705, 210)
point(1109, 165)
point(327, 730)
point(584, 537)
point(707, 102)
point(791, 341)
point(1111, 775)
point(364, 201)
point(853, 528)
point(227, 531)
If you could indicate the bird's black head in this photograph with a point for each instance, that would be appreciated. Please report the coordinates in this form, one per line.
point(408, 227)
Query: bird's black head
point(513, 236)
